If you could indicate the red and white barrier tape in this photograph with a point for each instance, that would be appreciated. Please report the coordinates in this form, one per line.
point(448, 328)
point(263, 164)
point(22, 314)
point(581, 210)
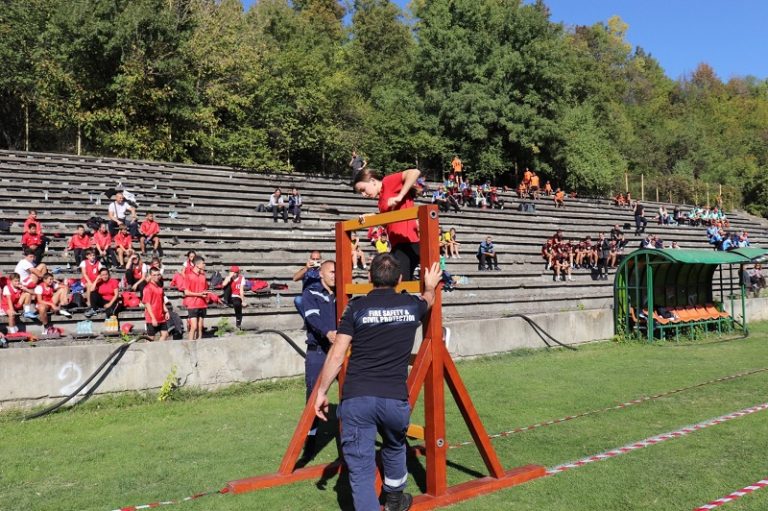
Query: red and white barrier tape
point(611, 408)
point(656, 439)
point(733, 496)
point(176, 501)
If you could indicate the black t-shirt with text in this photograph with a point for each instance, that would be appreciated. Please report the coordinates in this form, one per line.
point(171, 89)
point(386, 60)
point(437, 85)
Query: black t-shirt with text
point(383, 327)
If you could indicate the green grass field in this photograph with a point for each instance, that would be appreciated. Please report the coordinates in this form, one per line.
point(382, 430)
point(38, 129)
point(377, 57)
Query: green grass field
point(128, 450)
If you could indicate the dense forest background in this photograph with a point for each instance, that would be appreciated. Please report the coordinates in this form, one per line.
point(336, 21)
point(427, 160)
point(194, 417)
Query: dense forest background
point(295, 85)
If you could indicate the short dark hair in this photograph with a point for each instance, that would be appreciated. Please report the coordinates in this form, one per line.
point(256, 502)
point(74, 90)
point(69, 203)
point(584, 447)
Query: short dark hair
point(385, 271)
point(363, 175)
point(153, 270)
point(28, 252)
point(197, 259)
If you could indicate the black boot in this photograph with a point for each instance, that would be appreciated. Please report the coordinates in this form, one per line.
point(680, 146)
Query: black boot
point(397, 501)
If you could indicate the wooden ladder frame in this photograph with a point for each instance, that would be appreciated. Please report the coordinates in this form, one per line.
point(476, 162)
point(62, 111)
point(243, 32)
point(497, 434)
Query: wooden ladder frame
point(432, 369)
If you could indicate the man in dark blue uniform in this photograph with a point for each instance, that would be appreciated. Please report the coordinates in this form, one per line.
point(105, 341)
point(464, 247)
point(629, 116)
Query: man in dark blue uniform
point(318, 304)
point(380, 328)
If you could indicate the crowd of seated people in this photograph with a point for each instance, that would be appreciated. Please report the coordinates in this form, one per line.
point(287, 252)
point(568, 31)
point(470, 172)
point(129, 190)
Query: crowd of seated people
point(456, 193)
point(562, 255)
point(723, 240)
point(449, 245)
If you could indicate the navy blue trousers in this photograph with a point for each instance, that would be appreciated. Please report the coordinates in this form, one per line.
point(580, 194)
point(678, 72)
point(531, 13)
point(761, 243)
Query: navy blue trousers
point(313, 365)
point(361, 418)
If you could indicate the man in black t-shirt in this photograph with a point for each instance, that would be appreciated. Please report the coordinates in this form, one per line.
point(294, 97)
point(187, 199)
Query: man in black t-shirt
point(357, 163)
point(380, 328)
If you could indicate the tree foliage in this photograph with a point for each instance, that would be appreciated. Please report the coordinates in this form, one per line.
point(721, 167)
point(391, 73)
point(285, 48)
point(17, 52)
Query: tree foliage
point(297, 84)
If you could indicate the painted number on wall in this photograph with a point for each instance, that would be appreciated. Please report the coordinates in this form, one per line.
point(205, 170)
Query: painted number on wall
point(71, 373)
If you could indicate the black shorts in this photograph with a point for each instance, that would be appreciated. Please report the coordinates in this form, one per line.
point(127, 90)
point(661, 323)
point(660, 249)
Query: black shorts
point(161, 327)
point(197, 313)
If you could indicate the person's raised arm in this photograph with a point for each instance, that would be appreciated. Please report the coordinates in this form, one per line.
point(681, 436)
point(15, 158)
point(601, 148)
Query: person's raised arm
point(330, 371)
point(409, 179)
point(432, 277)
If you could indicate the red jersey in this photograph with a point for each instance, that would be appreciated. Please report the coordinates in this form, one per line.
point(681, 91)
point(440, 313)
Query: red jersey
point(44, 292)
point(123, 240)
point(187, 268)
point(153, 299)
point(108, 289)
point(29, 240)
point(91, 270)
point(30, 221)
point(149, 228)
point(81, 242)
point(103, 240)
point(400, 232)
point(195, 283)
point(15, 294)
point(237, 285)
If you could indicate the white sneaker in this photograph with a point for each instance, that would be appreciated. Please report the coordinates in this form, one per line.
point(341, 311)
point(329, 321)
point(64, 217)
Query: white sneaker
point(65, 313)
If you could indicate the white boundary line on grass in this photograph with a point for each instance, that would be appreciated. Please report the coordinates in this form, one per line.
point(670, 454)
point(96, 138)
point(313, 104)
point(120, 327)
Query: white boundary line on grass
point(733, 496)
point(558, 469)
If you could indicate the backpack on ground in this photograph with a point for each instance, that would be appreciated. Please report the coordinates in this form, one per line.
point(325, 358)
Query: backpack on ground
point(175, 325)
point(130, 299)
point(216, 280)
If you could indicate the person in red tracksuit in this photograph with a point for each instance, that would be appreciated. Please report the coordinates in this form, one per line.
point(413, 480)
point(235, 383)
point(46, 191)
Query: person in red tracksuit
point(123, 245)
point(78, 244)
point(195, 298)
point(89, 271)
point(102, 242)
point(234, 293)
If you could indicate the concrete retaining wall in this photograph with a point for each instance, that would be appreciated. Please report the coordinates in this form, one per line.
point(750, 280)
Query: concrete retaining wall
point(39, 375)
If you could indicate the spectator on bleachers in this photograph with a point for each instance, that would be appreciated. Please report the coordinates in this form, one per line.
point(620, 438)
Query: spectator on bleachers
point(78, 244)
point(640, 220)
point(730, 242)
point(658, 243)
point(136, 272)
point(358, 256)
point(522, 190)
point(51, 297)
point(382, 244)
point(620, 200)
point(479, 197)
point(32, 220)
point(29, 272)
point(394, 193)
point(616, 231)
point(559, 198)
point(123, 246)
point(294, 205)
point(155, 310)
point(444, 200)
point(548, 189)
point(277, 205)
point(527, 175)
point(603, 252)
point(104, 295)
point(694, 216)
point(664, 218)
point(675, 246)
point(716, 238)
point(16, 300)
point(33, 241)
point(712, 232)
point(648, 242)
point(452, 244)
point(188, 265)
point(195, 298)
point(102, 243)
point(621, 244)
point(613, 254)
point(678, 216)
point(743, 239)
point(487, 256)
point(89, 271)
point(310, 272)
point(535, 187)
point(562, 263)
point(493, 199)
point(458, 168)
point(149, 234)
point(234, 293)
point(357, 163)
point(757, 278)
point(121, 213)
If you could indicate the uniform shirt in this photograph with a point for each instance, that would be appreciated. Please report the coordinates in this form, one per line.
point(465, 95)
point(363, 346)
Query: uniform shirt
point(44, 292)
point(30, 221)
point(14, 293)
point(123, 240)
point(29, 240)
point(196, 284)
point(383, 326)
point(237, 285)
point(81, 242)
point(319, 314)
point(91, 270)
point(23, 268)
point(102, 240)
point(108, 289)
point(400, 232)
point(149, 228)
point(153, 299)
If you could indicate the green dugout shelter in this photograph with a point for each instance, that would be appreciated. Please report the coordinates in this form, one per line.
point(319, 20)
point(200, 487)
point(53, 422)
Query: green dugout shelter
point(648, 279)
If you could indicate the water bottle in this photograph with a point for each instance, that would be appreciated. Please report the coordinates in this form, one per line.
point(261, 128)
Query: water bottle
point(278, 300)
point(46, 195)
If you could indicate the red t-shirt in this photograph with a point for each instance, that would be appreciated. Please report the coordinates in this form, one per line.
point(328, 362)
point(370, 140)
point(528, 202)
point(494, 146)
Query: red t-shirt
point(29, 240)
point(123, 240)
point(44, 291)
point(103, 240)
point(153, 298)
point(195, 283)
point(82, 242)
point(15, 294)
point(108, 289)
point(401, 232)
point(149, 228)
